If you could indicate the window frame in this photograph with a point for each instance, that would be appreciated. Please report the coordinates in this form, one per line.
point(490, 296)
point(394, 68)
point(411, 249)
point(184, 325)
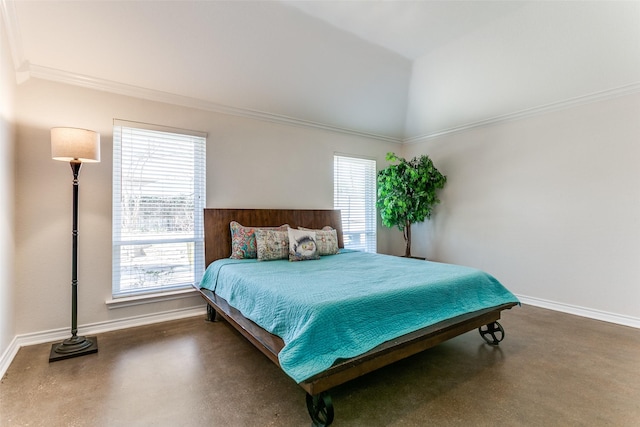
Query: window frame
point(350, 219)
point(196, 261)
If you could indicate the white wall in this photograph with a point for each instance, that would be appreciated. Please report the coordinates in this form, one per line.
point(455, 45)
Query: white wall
point(548, 204)
point(540, 53)
point(7, 143)
point(249, 164)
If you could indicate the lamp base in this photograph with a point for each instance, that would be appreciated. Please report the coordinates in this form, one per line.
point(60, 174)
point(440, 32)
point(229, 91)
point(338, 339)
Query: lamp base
point(73, 347)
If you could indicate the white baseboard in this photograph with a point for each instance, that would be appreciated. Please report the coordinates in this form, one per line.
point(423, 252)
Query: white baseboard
point(91, 329)
point(590, 313)
point(8, 355)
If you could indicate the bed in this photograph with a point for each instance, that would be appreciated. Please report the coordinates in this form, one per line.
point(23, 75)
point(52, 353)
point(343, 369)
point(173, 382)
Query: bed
point(296, 344)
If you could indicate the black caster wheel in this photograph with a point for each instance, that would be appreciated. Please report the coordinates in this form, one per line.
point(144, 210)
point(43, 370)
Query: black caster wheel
point(492, 333)
point(320, 409)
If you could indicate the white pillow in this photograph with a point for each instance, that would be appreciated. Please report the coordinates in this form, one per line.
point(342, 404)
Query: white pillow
point(302, 245)
point(326, 240)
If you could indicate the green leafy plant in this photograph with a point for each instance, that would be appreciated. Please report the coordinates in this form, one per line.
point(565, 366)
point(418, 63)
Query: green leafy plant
point(407, 193)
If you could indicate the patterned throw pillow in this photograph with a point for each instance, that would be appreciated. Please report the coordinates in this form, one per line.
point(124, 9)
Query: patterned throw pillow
point(302, 245)
point(243, 240)
point(326, 239)
point(272, 244)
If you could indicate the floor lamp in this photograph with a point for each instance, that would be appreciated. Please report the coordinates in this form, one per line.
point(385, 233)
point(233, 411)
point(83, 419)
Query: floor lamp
point(75, 146)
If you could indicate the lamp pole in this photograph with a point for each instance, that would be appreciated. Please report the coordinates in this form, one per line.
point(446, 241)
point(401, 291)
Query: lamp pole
point(76, 345)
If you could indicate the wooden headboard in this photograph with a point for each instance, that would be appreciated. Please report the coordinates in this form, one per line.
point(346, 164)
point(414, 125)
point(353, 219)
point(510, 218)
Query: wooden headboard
point(217, 235)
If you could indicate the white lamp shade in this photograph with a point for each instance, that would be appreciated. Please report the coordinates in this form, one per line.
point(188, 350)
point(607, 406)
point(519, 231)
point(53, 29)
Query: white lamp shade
point(72, 144)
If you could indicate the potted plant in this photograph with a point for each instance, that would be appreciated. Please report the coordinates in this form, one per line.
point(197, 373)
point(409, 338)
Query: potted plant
point(407, 193)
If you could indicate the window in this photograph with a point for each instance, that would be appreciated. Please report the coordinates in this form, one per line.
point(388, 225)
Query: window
point(158, 202)
point(354, 192)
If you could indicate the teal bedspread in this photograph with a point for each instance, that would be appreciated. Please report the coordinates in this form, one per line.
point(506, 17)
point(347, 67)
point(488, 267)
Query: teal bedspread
point(343, 305)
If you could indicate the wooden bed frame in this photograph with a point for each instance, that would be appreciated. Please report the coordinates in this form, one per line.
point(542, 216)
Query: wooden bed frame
point(218, 246)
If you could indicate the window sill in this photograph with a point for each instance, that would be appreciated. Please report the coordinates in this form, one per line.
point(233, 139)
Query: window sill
point(150, 298)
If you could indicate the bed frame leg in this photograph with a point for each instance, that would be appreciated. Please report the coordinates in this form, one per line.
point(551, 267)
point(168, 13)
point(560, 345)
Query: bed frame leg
point(320, 409)
point(493, 333)
point(212, 315)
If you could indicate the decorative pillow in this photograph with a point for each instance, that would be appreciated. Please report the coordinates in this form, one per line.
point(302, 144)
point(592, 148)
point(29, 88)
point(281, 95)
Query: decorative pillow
point(243, 239)
point(302, 245)
point(326, 240)
point(272, 244)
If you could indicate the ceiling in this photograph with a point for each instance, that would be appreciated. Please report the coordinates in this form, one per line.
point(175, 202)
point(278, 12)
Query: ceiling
point(394, 70)
point(409, 28)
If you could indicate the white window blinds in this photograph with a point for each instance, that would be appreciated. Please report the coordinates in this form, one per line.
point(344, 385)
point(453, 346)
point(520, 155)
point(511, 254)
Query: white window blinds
point(158, 202)
point(354, 193)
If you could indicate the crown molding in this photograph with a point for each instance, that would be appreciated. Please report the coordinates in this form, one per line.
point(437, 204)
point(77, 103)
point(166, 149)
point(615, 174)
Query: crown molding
point(10, 20)
point(25, 70)
point(9, 17)
point(46, 73)
point(530, 112)
point(75, 79)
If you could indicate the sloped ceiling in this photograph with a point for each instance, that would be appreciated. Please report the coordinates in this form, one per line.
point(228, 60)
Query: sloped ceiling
point(395, 70)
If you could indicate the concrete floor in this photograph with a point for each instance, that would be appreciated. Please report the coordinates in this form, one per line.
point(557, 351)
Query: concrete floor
point(552, 369)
